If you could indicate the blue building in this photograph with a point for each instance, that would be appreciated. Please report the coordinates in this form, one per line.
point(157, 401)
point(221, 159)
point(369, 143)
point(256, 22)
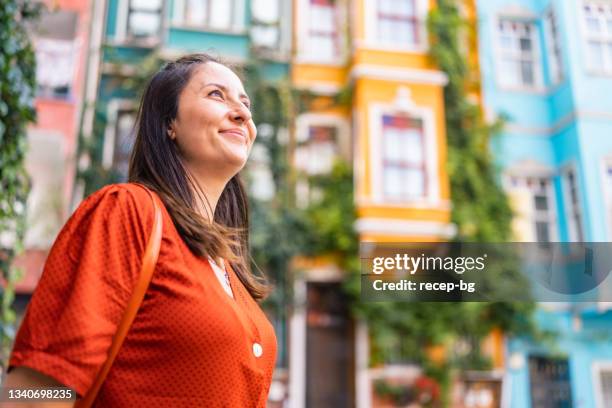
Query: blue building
point(547, 66)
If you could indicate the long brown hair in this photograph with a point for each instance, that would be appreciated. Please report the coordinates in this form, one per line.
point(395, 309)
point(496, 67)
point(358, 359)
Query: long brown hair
point(155, 162)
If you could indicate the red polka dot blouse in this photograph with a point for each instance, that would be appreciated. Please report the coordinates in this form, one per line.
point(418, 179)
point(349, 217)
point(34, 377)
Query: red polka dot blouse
point(191, 345)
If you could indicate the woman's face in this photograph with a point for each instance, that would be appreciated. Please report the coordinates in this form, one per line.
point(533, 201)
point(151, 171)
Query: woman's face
point(213, 128)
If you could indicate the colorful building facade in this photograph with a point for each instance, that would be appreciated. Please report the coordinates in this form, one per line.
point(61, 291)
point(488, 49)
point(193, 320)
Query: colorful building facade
point(546, 67)
point(393, 132)
point(60, 38)
point(541, 62)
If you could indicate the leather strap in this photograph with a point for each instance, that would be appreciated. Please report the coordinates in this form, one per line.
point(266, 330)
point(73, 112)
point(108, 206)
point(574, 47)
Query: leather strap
point(146, 272)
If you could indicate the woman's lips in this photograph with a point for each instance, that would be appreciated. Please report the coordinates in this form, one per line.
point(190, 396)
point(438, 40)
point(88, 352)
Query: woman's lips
point(238, 134)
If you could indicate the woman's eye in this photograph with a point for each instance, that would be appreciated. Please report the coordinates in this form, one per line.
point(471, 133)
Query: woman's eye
point(216, 92)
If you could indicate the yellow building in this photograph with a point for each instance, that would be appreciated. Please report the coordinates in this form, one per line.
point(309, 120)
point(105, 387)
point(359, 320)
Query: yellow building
point(394, 134)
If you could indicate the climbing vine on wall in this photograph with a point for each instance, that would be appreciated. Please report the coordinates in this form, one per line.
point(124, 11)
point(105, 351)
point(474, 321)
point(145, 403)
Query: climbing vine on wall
point(17, 91)
point(402, 332)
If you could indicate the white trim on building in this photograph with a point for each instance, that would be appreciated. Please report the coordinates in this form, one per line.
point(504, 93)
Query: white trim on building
point(530, 28)
point(302, 30)
point(371, 39)
point(110, 132)
point(298, 330)
point(591, 38)
point(420, 76)
point(237, 18)
point(404, 105)
point(572, 202)
point(597, 369)
point(397, 227)
point(525, 182)
point(554, 51)
point(606, 188)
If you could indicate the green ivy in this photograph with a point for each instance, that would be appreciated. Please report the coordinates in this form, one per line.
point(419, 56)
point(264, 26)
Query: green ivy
point(401, 332)
point(17, 92)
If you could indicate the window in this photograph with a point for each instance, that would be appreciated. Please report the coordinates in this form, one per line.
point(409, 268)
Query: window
point(397, 22)
point(604, 375)
point(56, 53)
point(404, 173)
point(553, 44)
point(322, 39)
point(536, 212)
point(598, 25)
point(549, 382)
point(144, 20)
point(124, 141)
point(317, 152)
point(608, 196)
point(47, 164)
point(519, 65)
point(573, 207)
point(259, 172)
point(210, 13)
point(265, 29)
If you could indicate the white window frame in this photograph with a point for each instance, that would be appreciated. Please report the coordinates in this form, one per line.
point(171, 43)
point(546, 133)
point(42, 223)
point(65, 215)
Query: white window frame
point(554, 51)
point(376, 111)
point(48, 191)
point(571, 210)
point(597, 368)
point(399, 165)
point(371, 40)
point(538, 85)
point(110, 132)
point(306, 120)
point(607, 195)
point(586, 37)
point(263, 24)
point(69, 50)
point(237, 25)
point(303, 124)
point(302, 29)
point(552, 219)
point(121, 25)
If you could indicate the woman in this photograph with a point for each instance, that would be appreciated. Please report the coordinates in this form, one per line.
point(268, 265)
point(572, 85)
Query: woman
point(199, 338)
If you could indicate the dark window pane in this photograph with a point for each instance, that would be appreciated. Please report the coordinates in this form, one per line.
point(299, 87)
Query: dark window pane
point(542, 233)
point(525, 44)
point(527, 72)
point(541, 202)
point(550, 382)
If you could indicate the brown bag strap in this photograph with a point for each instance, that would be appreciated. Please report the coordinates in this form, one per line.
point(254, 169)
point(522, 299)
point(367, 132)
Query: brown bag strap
point(146, 272)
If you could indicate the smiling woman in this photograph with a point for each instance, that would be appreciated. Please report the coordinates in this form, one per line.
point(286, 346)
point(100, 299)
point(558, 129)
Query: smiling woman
point(199, 337)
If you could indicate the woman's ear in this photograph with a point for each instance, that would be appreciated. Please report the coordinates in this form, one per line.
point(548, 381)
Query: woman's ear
point(171, 132)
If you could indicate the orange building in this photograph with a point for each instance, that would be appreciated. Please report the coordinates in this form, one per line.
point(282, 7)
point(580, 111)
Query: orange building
point(393, 132)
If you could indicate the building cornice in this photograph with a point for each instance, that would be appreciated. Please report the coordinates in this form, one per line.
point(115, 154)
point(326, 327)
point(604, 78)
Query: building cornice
point(389, 226)
point(421, 76)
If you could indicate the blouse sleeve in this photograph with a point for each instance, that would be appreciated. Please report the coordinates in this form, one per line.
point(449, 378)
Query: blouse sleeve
point(86, 283)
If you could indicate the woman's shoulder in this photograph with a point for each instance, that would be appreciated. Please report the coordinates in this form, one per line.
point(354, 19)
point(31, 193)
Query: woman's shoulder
point(122, 202)
point(123, 192)
point(123, 195)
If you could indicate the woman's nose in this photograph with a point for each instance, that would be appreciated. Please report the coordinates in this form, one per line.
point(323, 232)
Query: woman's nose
point(241, 114)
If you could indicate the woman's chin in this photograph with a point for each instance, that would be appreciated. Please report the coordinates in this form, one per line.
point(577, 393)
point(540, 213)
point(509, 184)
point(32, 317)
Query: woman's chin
point(237, 157)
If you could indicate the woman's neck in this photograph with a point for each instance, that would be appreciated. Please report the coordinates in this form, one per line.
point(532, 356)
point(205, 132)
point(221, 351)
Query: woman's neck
point(212, 187)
